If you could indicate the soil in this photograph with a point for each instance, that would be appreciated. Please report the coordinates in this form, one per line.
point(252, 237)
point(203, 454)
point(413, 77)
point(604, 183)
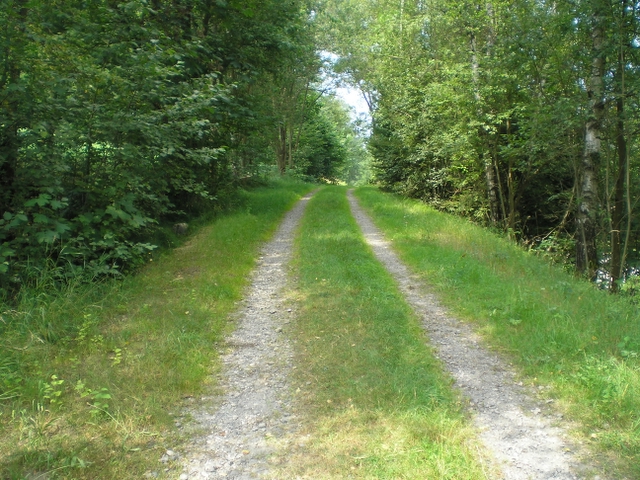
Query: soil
point(236, 432)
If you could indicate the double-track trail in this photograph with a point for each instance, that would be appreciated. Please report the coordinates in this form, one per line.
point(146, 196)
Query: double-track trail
point(512, 426)
point(237, 433)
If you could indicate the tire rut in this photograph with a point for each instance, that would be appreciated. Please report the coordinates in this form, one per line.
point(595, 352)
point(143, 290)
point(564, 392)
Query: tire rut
point(235, 433)
point(526, 442)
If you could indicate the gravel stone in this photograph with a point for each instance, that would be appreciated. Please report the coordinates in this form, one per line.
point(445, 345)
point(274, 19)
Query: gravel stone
point(235, 428)
point(236, 433)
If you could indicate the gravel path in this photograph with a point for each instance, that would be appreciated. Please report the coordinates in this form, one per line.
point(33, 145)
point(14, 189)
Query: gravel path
point(235, 433)
point(240, 428)
point(513, 426)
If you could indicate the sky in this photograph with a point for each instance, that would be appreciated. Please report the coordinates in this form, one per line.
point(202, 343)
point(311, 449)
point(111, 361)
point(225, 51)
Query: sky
point(351, 95)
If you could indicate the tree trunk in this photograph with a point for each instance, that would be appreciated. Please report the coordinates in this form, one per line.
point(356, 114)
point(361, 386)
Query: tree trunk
point(485, 158)
point(290, 149)
point(512, 213)
point(281, 154)
point(586, 232)
point(617, 212)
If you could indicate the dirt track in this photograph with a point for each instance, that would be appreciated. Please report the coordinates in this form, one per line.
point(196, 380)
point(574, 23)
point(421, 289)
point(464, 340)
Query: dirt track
point(235, 433)
point(512, 425)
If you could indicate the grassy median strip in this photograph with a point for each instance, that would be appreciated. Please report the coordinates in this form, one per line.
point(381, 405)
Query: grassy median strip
point(90, 376)
point(376, 401)
point(579, 345)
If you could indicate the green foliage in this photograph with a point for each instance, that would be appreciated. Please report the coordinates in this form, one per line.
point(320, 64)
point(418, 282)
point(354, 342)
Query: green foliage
point(51, 391)
point(115, 117)
point(480, 109)
point(555, 249)
point(96, 399)
point(322, 151)
point(631, 286)
point(89, 372)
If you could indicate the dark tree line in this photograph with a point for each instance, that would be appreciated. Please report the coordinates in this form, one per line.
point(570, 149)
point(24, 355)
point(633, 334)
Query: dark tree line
point(117, 115)
point(522, 115)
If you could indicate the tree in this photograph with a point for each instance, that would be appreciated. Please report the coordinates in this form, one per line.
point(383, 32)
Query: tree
point(586, 251)
point(323, 141)
point(117, 116)
point(511, 113)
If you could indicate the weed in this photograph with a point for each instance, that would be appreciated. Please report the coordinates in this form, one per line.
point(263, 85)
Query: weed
point(88, 324)
point(51, 391)
point(631, 286)
point(117, 357)
point(97, 399)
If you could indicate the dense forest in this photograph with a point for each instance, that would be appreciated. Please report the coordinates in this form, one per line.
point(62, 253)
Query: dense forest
point(522, 115)
point(119, 117)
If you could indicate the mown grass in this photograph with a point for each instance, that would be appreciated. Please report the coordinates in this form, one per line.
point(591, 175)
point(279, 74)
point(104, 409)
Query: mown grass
point(560, 331)
point(377, 404)
point(89, 377)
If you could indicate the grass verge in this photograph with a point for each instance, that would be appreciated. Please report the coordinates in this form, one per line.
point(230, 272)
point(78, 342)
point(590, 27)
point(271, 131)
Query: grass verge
point(89, 377)
point(579, 345)
point(377, 404)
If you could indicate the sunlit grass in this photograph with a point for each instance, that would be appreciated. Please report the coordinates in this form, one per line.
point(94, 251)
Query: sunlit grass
point(560, 331)
point(90, 377)
point(376, 402)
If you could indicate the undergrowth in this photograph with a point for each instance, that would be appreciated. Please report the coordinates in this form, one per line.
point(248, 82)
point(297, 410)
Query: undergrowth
point(90, 374)
point(377, 404)
point(560, 331)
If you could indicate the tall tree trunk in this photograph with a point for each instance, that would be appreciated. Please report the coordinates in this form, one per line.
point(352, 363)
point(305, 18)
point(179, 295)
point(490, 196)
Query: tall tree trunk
point(586, 232)
point(617, 212)
point(290, 149)
point(512, 213)
point(281, 154)
point(485, 157)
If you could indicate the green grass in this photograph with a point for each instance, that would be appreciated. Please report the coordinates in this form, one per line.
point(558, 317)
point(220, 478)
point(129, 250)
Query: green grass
point(560, 331)
point(377, 404)
point(89, 376)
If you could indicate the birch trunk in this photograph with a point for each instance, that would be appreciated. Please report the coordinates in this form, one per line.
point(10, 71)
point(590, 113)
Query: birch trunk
point(586, 251)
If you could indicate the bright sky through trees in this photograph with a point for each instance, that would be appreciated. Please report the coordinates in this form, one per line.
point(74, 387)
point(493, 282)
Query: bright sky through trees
point(346, 92)
point(353, 97)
